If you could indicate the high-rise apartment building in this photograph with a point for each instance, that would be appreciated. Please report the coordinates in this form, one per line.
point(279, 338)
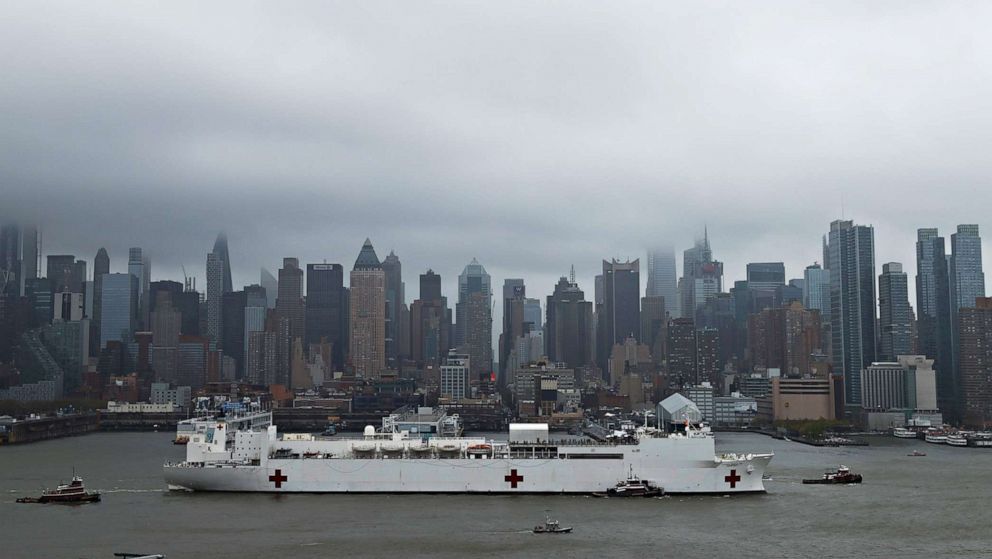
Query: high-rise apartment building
point(935, 327)
point(215, 295)
point(368, 314)
point(975, 350)
point(392, 269)
point(895, 319)
point(784, 339)
point(851, 250)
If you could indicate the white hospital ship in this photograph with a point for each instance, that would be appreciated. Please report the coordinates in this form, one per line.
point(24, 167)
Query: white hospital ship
point(245, 452)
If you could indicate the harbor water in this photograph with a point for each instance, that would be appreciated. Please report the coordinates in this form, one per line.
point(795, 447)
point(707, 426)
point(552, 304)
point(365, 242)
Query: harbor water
point(932, 506)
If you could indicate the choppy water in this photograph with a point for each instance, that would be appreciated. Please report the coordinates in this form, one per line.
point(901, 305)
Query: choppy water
point(934, 506)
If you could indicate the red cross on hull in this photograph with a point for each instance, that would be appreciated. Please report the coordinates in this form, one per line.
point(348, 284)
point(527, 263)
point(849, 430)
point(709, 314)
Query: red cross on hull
point(732, 479)
point(513, 479)
point(277, 478)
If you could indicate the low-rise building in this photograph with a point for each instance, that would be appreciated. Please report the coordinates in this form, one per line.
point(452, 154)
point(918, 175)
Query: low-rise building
point(702, 396)
point(139, 407)
point(793, 399)
point(734, 410)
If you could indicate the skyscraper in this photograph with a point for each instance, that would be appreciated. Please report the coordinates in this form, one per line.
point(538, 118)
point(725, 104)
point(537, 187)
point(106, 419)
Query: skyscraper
point(289, 303)
point(816, 288)
point(368, 314)
point(120, 308)
point(514, 298)
point(10, 261)
point(395, 302)
point(473, 279)
point(765, 275)
point(139, 266)
point(852, 303)
point(325, 309)
point(975, 350)
point(474, 327)
point(966, 275)
point(933, 300)
point(621, 316)
point(477, 311)
point(101, 266)
point(60, 272)
point(702, 277)
point(569, 325)
point(233, 329)
point(430, 323)
point(215, 295)
point(654, 319)
point(30, 251)
point(662, 277)
point(271, 285)
point(895, 319)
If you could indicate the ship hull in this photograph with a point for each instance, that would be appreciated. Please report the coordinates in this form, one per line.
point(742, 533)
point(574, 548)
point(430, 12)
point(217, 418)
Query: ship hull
point(482, 476)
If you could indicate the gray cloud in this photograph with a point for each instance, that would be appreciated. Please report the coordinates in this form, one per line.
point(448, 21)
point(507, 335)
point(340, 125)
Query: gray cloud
point(532, 136)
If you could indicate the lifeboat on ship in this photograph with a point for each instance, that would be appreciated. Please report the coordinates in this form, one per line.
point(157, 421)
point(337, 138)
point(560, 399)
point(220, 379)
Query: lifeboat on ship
point(420, 449)
point(480, 449)
point(448, 448)
point(363, 448)
point(391, 448)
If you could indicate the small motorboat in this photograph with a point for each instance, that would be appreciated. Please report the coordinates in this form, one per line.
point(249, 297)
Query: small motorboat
point(181, 440)
point(551, 526)
point(917, 453)
point(66, 493)
point(842, 475)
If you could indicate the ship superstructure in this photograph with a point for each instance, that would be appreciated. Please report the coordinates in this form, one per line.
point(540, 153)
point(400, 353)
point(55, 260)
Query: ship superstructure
point(220, 457)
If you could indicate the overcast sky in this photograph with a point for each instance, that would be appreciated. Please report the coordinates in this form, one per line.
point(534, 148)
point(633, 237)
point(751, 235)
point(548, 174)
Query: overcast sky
point(531, 135)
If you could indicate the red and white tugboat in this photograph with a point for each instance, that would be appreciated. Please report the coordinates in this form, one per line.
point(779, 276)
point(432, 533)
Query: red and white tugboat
point(67, 493)
point(842, 475)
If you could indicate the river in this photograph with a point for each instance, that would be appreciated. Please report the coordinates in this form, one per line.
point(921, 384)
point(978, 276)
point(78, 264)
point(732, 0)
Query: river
point(934, 506)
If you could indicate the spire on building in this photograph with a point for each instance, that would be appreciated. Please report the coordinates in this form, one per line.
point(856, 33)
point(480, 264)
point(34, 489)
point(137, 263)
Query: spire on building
point(367, 259)
point(220, 249)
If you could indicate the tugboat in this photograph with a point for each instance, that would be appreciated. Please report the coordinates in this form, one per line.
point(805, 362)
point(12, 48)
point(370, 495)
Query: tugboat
point(842, 475)
point(634, 486)
point(551, 527)
point(67, 493)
